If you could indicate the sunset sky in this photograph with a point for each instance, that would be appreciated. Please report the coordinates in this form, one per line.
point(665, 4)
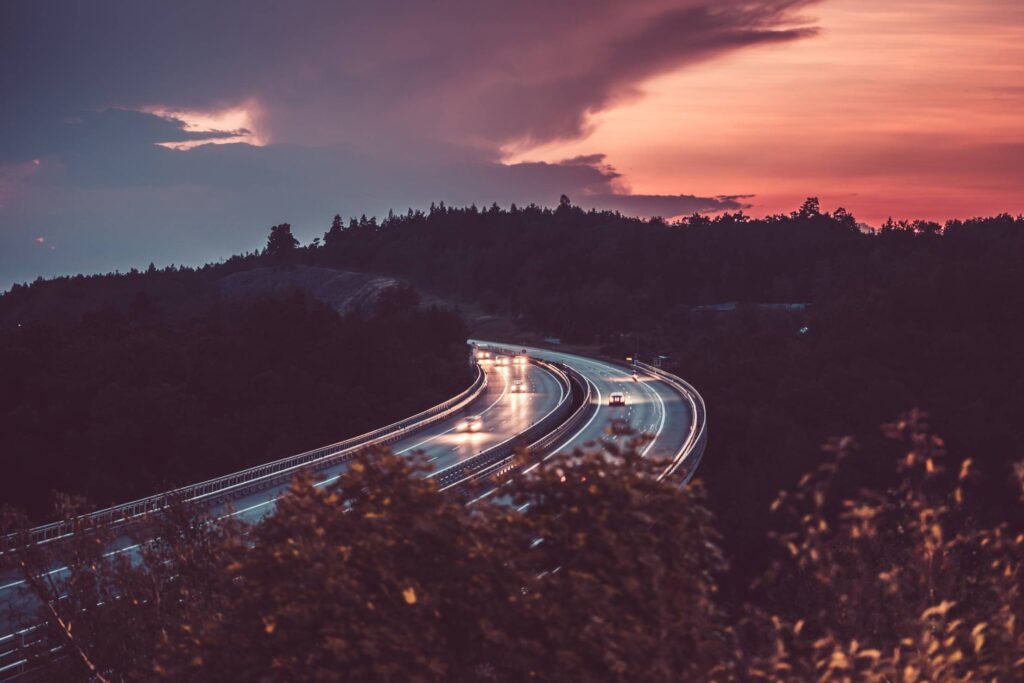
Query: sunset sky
point(655, 107)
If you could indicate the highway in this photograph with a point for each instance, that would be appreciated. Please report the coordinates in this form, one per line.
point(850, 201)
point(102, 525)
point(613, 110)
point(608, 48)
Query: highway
point(652, 406)
point(503, 414)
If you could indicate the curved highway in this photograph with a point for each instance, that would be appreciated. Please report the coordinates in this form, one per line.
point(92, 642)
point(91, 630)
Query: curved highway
point(651, 405)
point(515, 397)
point(503, 412)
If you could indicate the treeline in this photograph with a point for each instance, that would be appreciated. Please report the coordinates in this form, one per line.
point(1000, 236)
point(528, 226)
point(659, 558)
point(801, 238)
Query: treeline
point(117, 404)
point(588, 276)
point(603, 574)
point(173, 290)
point(914, 314)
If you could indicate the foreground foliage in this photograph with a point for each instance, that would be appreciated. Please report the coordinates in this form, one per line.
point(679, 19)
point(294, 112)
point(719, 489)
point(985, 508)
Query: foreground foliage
point(899, 584)
point(586, 569)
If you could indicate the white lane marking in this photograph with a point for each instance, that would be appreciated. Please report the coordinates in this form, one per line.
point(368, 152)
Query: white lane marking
point(580, 431)
point(479, 498)
point(63, 569)
point(609, 371)
point(488, 409)
point(612, 369)
point(661, 424)
point(334, 478)
point(561, 395)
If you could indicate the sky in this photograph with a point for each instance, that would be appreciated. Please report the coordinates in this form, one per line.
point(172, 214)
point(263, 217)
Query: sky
point(179, 132)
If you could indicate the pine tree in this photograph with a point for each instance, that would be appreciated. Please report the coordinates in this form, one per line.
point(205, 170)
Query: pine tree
point(332, 238)
point(281, 244)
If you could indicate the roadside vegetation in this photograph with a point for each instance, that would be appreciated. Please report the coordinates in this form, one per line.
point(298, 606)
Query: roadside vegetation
point(118, 405)
point(592, 570)
point(794, 327)
point(885, 558)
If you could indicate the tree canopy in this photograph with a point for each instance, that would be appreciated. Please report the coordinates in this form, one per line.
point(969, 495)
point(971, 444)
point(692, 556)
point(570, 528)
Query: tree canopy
point(125, 406)
point(281, 244)
point(588, 569)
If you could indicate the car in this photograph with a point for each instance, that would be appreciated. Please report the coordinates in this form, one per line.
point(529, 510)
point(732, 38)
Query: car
point(483, 355)
point(501, 360)
point(520, 359)
point(472, 423)
point(518, 386)
point(617, 398)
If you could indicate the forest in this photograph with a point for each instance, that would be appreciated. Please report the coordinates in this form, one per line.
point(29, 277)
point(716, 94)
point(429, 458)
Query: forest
point(872, 556)
point(176, 389)
point(794, 327)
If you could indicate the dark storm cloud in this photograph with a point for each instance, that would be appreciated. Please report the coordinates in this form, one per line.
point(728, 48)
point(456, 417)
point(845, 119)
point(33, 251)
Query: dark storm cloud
point(367, 106)
point(332, 71)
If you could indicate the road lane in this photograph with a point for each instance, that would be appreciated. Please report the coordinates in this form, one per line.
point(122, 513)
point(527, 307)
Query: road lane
point(652, 406)
point(503, 412)
point(520, 410)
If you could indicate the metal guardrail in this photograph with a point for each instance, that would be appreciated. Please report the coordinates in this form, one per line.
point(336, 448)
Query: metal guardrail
point(501, 460)
point(689, 455)
point(12, 651)
point(511, 462)
point(260, 476)
point(12, 645)
point(469, 468)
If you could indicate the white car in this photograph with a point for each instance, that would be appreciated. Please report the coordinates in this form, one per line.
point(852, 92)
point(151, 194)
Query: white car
point(473, 423)
point(518, 386)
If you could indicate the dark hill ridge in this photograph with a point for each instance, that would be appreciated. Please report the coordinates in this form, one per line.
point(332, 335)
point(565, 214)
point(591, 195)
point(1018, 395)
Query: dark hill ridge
point(342, 290)
point(172, 293)
point(143, 392)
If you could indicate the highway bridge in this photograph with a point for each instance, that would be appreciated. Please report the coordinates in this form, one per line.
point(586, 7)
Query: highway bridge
point(550, 401)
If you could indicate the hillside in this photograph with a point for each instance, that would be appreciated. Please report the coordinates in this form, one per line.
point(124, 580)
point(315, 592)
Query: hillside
point(134, 383)
point(342, 290)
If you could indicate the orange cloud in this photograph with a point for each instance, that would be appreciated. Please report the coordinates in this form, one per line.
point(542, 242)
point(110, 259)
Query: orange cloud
point(240, 120)
point(909, 108)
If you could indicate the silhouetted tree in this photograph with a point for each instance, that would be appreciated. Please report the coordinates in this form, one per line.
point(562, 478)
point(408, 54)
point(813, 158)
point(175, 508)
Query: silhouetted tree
point(810, 208)
point(281, 244)
point(564, 205)
point(332, 238)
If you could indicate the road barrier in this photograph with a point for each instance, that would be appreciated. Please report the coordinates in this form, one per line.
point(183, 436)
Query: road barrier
point(686, 460)
point(689, 456)
point(259, 477)
point(502, 459)
point(574, 406)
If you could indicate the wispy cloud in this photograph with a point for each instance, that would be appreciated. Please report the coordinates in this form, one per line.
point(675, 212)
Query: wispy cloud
point(366, 106)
